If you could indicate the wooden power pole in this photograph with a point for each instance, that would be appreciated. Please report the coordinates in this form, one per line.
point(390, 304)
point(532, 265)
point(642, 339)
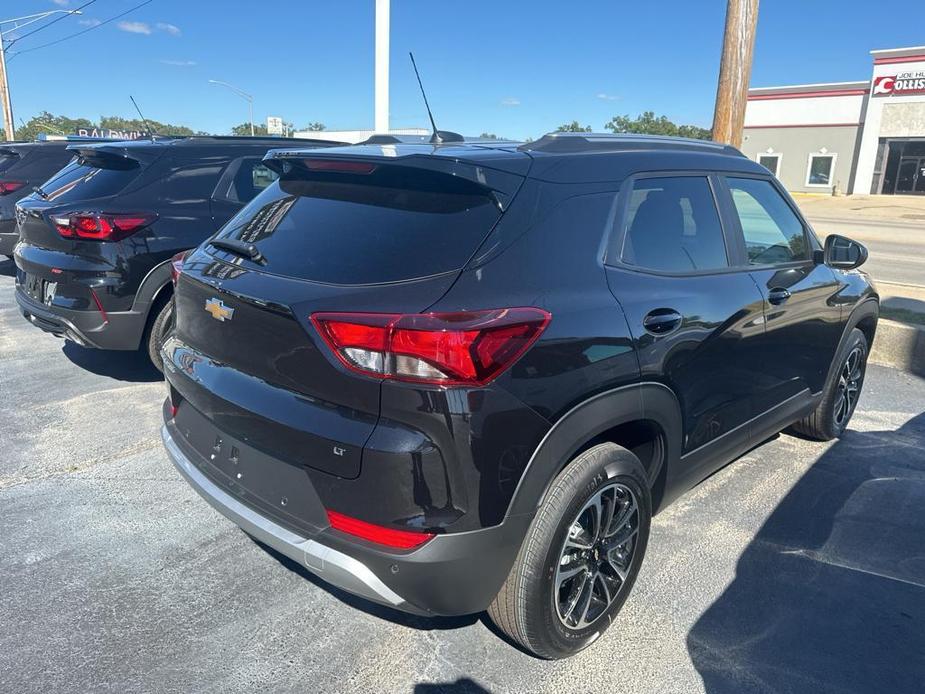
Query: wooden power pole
point(735, 71)
point(5, 95)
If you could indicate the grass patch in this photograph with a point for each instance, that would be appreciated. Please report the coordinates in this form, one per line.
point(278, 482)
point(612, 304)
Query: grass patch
point(903, 315)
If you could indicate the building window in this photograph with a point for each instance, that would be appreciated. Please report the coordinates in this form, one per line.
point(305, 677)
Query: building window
point(771, 162)
point(820, 169)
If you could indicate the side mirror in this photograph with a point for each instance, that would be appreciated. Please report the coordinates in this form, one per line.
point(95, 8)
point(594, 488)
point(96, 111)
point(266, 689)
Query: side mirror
point(843, 253)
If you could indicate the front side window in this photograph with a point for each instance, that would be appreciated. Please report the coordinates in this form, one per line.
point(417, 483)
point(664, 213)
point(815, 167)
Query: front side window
point(773, 232)
point(770, 161)
point(819, 171)
point(672, 226)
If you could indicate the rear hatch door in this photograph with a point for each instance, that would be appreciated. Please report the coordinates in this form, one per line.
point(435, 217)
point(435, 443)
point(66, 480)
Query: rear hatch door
point(362, 234)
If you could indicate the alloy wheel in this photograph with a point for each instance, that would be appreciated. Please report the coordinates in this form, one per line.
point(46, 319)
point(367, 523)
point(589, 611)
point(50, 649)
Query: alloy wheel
point(596, 556)
point(849, 386)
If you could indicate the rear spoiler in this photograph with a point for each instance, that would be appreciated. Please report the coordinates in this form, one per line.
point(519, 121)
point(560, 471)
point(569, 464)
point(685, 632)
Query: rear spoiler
point(377, 165)
point(118, 154)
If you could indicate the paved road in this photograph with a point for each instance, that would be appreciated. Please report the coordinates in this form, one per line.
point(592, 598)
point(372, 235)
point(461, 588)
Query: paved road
point(799, 568)
point(897, 249)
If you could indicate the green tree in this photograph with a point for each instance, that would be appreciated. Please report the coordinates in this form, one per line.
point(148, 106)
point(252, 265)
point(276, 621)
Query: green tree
point(315, 127)
point(50, 124)
point(488, 136)
point(573, 127)
point(649, 124)
point(245, 129)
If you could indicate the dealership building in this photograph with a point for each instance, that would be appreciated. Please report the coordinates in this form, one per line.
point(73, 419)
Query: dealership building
point(865, 137)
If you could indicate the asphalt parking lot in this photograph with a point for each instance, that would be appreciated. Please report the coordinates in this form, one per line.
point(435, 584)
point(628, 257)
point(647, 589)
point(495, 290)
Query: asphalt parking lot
point(799, 568)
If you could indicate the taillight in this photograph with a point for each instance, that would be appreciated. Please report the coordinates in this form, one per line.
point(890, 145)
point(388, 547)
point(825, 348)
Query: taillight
point(399, 539)
point(101, 227)
point(176, 266)
point(7, 187)
point(462, 348)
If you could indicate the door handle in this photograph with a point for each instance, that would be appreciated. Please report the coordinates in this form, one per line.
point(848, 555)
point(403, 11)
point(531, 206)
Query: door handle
point(662, 321)
point(778, 295)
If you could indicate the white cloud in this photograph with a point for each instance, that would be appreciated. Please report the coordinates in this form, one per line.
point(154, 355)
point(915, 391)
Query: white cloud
point(171, 29)
point(134, 27)
point(89, 22)
point(607, 97)
point(510, 101)
point(62, 3)
point(179, 63)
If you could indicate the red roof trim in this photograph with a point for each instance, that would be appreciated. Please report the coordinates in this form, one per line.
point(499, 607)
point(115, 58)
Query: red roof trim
point(903, 59)
point(807, 125)
point(808, 95)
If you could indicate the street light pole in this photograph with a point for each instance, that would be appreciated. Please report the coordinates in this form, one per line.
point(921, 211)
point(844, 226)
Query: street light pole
point(735, 71)
point(244, 95)
point(6, 103)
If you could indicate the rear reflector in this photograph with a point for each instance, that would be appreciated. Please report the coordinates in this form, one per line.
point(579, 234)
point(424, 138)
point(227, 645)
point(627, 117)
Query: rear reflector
point(101, 227)
point(7, 187)
point(462, 348)
point(399, 539)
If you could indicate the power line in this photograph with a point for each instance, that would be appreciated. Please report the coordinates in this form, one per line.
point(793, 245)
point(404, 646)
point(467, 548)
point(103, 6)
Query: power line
point(71, 36)
point(54, 21)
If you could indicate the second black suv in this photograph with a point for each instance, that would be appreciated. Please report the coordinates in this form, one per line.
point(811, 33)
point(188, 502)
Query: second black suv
point(464, 376)
point(96, 240)
point(24, 165)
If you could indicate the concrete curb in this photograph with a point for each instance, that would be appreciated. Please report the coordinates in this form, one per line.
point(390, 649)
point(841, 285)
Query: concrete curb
point(899, 345)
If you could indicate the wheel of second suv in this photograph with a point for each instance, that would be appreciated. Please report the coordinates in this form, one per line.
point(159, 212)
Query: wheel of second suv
point(581, 555)
point(831, 416)
point(160, 324)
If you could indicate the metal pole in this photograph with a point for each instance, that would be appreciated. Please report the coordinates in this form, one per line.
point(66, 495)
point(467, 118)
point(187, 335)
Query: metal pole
point(381, 120)
point(735, 71)
point(5, 96)
point(250, 110)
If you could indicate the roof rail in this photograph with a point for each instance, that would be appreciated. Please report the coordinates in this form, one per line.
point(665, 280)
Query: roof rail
point(559, 142)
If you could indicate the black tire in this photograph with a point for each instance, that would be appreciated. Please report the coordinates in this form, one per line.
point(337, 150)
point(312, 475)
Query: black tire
point(528, 608)
point(159, 325)
point(831, 416)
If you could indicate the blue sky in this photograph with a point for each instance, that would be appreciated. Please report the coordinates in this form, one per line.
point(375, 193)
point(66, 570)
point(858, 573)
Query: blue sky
point(513, 68)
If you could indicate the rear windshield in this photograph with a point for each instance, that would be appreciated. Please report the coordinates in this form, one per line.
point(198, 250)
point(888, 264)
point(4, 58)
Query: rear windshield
point(354, 229)
point(79, 181)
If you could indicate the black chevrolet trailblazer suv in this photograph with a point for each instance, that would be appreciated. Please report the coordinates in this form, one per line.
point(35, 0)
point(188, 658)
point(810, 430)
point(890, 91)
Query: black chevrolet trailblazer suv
point(24, 165)
point(459, 377)
point(96, 240)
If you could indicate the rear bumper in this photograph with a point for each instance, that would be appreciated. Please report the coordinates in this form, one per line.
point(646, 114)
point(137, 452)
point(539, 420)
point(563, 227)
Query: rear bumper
point(335, 567)
point(118, 331)
point(452, 574)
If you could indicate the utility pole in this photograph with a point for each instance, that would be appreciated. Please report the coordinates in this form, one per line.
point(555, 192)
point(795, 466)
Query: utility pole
point(735, 71)
point(6, 104)
point(9, 132)
point(381, 120)
point(244, 95)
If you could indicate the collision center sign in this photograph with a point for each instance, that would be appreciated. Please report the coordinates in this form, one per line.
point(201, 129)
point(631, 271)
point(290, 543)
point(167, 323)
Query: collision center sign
point(900, 84)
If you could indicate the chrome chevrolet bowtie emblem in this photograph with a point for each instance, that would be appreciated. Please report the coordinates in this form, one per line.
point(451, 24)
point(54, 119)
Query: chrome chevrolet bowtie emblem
point(218, 310)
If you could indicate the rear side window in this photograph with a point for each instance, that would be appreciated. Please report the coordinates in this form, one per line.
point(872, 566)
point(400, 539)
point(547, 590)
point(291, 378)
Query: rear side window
point(78, 181)
point(773, 233)
point(396, 224)
point(672, 225)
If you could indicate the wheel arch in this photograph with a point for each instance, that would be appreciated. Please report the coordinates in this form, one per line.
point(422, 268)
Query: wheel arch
point(613, 415)
point(155, 285)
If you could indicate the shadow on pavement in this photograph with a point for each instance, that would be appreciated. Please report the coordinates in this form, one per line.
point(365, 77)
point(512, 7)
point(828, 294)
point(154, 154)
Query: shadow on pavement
point(460, 686)
point(122, 366)
point(358, 603)
point(7, 267)
point(830, 595)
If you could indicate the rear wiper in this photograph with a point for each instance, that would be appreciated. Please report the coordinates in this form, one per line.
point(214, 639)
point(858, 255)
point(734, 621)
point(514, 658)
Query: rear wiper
point(42, 193)
point(242, 248)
